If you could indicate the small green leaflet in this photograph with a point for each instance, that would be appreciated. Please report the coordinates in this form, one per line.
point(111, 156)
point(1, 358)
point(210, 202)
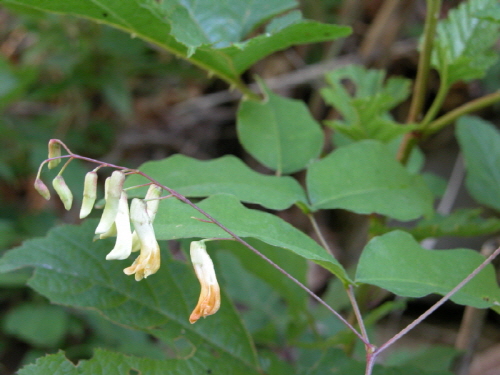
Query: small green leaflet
point(463, 45)
point(364, 177)
point(480, 144)
point(279, 132)
point(366, 112)
point(225, 175)
point(396, 262)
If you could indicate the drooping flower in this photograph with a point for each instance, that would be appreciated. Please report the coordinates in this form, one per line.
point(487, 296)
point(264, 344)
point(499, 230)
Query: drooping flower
point(89, 194)
point(113, 191)
point(209, 301)
point(54, 151)
point(148, 261)
point(152, 203)
point(123, 245)
point(63, 191)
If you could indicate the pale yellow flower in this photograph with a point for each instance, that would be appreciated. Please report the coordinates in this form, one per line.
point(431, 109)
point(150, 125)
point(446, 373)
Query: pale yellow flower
point(113, 191)
point(148, 262)
point(123, 245)
point(209, 301)
point(152, 203)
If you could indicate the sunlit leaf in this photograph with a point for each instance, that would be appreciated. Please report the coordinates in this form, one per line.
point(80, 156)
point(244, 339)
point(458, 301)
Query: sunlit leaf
point(364, 177)
point(195, 23)
point(228, 174)
point(279, 132)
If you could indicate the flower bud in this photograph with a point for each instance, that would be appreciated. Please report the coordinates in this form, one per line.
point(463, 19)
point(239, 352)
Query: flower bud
point(148, 262)
point(112, 194)
point(209, 301)
point(89, 194)
point(54, 151)
point(63, 191)
point(154, 192)
point(42, 189)
point(123, 245)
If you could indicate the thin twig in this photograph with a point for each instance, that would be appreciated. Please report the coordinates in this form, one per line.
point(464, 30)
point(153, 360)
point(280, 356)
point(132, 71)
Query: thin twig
point(318, 233)
point(424, 61)
point(357, 312)
point(469, 107)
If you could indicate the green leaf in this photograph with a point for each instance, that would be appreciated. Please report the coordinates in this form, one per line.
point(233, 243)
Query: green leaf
point(14, 81)
point(463, 223)
point(262, 308)
point(23, 321)
point(105, 362)
point(396, 262)
point(176, 220)
point(463, 45)
point(228, 174)
point(71, 269)
point(491, 13)
point(195, 23)
point(279, 132)
point(432, 358)
point(366, 111)
point(365, 178)
point(146, 19)
point(295, 297)
point(244, 55)
point(480, 144)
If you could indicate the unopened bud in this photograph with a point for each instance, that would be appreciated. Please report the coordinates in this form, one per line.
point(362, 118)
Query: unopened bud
point(89, 194)
point(42, 189)
point(114, 187)
point(63, 191)
point(54, 151)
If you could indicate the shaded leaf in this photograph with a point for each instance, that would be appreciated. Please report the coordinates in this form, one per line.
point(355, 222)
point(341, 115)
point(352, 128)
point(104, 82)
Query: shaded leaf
point(480, 144)
point(175, 220)
point(396, 262)
point(228, 174)
point(462, 223)
point(23, 321)
point(365, 110)
point(279, 132)
point(70, 269)
point(365, 178)
point(295, 297)
point(109, 363)
point(463, 44)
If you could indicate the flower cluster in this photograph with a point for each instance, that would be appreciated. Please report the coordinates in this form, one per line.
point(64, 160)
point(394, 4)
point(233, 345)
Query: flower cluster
point(116, 219)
